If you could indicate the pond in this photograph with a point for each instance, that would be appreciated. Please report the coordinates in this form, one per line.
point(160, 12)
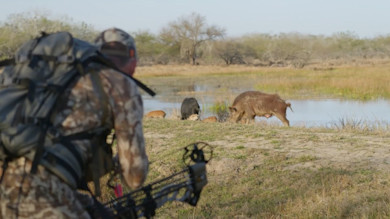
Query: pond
point(211, 89)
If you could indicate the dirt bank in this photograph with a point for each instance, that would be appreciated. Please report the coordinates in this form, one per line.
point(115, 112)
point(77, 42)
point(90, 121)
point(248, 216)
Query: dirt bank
point(320, 147)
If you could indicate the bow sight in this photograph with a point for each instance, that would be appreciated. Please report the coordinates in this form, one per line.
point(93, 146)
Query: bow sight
point(184, 186)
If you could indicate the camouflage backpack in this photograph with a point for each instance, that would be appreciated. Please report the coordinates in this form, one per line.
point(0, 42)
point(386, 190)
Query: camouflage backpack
point(30, 87)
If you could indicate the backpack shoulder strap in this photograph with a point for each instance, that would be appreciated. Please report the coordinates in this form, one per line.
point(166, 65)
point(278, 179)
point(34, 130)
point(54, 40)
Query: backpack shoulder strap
point(98, 86)
point(103, 60)
point(6, 62)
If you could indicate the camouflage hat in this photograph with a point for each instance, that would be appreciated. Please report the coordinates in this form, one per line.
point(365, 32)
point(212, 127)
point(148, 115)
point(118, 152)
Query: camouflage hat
point(116, 42)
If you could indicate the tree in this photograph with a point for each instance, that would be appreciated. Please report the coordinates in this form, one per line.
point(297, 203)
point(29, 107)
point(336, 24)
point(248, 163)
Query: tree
point(189, 33)
point(24, 26)
point(149, 48)
point(230, 52)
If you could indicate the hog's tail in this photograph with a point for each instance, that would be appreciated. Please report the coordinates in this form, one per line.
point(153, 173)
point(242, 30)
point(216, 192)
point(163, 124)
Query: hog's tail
point(289, 105)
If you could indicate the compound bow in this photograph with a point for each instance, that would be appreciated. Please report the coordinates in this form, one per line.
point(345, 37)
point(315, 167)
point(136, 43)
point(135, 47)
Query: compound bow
point(184, 186)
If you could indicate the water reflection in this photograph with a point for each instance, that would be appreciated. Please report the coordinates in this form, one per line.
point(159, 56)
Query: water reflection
point(171, 92)
point(329, 112)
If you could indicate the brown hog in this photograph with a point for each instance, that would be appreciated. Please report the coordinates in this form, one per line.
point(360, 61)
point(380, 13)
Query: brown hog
point(193, 117)
point(210, 119)
point(250, 104)
point(156, 114)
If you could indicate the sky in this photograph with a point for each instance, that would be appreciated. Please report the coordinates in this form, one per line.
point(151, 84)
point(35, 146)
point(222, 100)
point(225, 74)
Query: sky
point(364, 18)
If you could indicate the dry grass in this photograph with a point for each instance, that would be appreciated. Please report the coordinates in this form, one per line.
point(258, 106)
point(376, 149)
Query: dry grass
point(197, 70)
point(193, 70)
point(362, 82)
point(266, 171)
point(369, 82)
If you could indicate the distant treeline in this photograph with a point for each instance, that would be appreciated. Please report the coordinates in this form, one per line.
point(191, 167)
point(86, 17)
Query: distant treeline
point(190, 40)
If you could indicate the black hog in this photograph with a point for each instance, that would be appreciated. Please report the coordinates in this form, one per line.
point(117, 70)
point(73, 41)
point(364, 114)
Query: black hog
point(250, 104)
point(189, 106)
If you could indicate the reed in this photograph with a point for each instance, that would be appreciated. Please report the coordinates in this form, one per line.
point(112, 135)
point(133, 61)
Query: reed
point(221, 109)
point(360, 125)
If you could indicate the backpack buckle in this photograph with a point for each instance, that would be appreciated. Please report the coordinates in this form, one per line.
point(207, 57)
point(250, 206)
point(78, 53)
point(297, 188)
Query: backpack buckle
point(33, 120)
point(65, 59)
point(53, 133)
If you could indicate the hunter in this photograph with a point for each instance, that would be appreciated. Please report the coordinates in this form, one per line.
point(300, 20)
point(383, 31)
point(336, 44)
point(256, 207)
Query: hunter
point(49, 193)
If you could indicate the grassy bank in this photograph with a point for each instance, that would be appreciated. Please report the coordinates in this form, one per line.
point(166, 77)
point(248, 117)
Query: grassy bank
point(263, 171)
point(267, 171)
point(361, 82)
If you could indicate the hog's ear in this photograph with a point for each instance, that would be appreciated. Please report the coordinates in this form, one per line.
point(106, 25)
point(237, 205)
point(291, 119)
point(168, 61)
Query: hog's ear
point(232, 109)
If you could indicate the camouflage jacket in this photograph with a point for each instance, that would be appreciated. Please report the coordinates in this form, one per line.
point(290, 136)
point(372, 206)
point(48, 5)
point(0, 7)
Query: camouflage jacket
point(82, 110)
point(44, 194)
